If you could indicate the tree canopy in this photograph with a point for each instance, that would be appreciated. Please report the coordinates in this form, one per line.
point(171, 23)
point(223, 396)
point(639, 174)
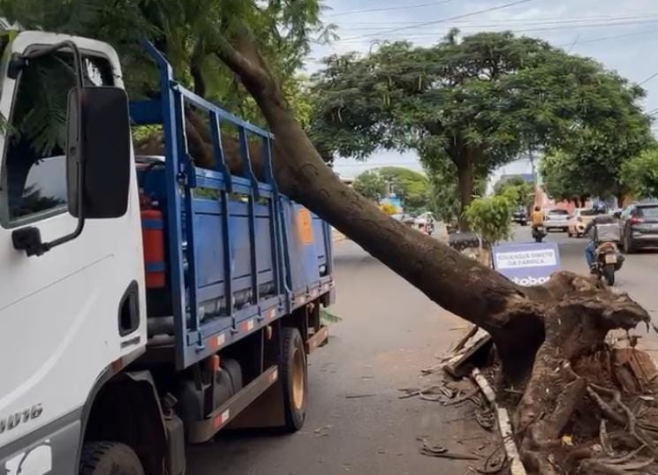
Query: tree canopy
point(192, 34)
point(640, 174)
point(491, 217)
point(412, 187)
point(560, 178)
point(516, 189)
point(477, 102)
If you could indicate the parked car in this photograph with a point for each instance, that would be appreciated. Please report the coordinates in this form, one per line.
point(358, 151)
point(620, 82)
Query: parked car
point(579, 219)
point(520, 216)
point(557, 219)
point(639, 223)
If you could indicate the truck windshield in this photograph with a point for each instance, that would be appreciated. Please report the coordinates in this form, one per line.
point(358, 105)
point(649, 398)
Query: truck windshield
point(34, 166)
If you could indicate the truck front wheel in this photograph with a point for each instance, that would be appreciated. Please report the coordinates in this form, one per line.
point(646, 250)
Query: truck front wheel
point(109, 458)
point(294, 377)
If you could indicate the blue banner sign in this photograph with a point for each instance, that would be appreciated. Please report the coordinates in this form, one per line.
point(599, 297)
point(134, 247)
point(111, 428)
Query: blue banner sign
point(527, 264)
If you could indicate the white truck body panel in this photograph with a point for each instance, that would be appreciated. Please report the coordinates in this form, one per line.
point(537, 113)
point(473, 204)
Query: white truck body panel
point(59, 311)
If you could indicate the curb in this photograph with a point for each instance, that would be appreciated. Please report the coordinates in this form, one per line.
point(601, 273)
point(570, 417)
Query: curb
point(504, 425)
point(502, 416)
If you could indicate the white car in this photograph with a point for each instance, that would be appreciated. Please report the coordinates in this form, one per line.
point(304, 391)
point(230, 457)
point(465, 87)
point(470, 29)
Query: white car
point(557, 219)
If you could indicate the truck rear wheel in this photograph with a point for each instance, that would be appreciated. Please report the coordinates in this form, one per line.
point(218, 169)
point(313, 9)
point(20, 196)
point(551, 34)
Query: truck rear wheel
point(109, 458)
point(294, 378)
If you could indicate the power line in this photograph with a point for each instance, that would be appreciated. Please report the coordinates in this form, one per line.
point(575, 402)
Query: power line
point(613, 37)
point(443, 20)
point(548, 28)
point(649, 78)
point(391, 24)
point(420, 5)
point(518, 21)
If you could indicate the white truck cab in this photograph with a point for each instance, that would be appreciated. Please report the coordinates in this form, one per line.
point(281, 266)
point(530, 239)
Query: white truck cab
point(70, 313)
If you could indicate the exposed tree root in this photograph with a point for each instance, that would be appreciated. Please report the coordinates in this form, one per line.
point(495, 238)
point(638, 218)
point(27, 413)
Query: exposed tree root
point(575, 327)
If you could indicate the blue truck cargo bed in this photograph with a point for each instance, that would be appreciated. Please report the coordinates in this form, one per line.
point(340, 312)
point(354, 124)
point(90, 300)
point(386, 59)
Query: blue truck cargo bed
point(239, 254)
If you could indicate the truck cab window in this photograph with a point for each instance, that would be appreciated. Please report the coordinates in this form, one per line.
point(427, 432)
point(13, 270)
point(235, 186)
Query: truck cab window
point(34, 166)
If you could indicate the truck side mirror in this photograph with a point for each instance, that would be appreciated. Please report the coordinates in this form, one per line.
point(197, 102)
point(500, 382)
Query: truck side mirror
point(98, 152)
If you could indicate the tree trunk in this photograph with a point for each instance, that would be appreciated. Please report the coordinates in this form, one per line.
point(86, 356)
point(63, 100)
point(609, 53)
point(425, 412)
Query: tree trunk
point(561, 321)
point(465, 179)
point(437, 270)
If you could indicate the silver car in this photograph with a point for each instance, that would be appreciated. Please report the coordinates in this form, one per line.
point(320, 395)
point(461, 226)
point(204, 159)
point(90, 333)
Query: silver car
point(557, 219)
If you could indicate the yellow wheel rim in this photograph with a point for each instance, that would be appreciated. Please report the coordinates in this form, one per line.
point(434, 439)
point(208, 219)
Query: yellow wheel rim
point(298, 386)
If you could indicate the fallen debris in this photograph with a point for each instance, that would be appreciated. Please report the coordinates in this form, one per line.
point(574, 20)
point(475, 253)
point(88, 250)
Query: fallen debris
point(504, 425)
point(436, 450)
point(473, 351)
point(359, 396)
point(322, 431)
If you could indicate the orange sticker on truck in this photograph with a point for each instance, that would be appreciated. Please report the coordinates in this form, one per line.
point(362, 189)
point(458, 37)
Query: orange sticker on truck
point(305, 226)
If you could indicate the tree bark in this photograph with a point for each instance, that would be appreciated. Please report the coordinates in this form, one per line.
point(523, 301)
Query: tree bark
point(465, 180)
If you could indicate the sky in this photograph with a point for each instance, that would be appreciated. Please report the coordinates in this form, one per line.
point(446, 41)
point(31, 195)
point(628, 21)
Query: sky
point(622, 35)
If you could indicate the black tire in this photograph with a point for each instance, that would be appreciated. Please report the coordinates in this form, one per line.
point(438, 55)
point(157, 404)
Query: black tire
point(109, 458)
point(294, 378)
point(609, 273)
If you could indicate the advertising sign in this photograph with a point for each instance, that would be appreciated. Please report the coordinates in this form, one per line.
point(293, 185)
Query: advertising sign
point(527, 264)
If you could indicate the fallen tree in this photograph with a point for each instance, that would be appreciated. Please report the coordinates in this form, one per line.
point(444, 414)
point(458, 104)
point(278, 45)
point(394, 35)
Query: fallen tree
point(540, 333)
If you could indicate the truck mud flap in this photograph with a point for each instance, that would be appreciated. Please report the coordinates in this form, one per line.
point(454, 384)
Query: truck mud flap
point(202, 431)
point(319, 338)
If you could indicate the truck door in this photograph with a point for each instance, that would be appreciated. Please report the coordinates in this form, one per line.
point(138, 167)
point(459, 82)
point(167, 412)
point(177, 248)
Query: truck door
point(66, 315)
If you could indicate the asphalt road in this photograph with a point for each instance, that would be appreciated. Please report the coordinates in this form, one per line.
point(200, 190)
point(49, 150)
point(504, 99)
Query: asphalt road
point(356, 422)
point(389, 331)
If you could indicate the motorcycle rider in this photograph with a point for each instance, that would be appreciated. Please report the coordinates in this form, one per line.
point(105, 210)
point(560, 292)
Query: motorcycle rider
point(537, 218)
point(590, 231)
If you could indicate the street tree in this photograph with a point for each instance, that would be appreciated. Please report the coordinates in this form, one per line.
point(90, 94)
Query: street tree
point(590, 163)
point(411, 187)
point(491, 216)
point(370, 185)
point(477, 102)
point(444, 190)
point(517, 190)
point(640, 174)
point(540, 333)
point(562, 178)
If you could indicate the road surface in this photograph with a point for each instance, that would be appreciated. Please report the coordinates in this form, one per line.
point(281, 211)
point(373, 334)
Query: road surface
point(356, 422)
point(388, 333)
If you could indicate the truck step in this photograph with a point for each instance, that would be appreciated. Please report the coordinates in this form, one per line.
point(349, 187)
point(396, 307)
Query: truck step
point(319, 338)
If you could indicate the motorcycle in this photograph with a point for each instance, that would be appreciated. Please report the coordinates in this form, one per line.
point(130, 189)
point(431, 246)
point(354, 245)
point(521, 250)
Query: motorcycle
point(608, 261)
point(538, 233)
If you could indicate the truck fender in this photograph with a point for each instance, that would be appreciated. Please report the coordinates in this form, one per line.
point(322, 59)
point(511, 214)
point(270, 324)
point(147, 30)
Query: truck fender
point(126, 409)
